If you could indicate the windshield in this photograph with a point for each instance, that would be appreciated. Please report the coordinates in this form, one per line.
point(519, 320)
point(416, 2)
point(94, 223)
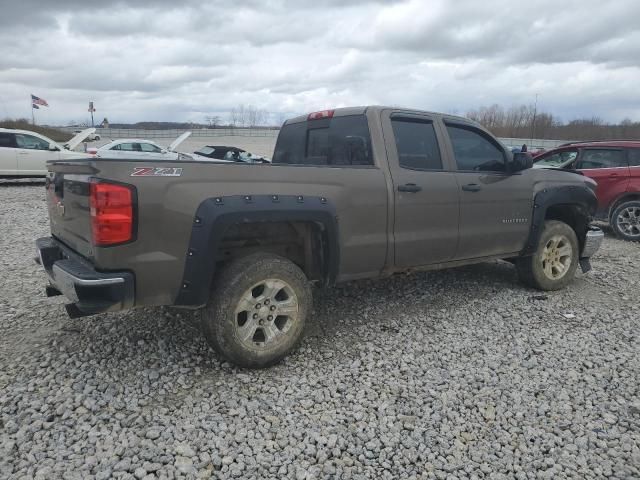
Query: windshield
point(206, 150)
point(558, 159)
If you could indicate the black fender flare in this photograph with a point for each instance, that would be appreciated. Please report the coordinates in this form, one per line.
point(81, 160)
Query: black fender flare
point(578, 196)
point(215, 215)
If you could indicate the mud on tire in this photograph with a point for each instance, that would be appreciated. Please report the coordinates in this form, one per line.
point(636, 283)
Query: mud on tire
point(553, 265)
point(257, 311)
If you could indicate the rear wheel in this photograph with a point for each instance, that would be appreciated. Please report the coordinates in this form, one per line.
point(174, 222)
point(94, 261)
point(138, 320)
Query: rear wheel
point(258, 310)
point(554, 263)
point(625, 220)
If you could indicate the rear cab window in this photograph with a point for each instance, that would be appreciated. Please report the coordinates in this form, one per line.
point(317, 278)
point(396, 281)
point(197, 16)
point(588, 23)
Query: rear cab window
point(342, 141)
point(634, 157)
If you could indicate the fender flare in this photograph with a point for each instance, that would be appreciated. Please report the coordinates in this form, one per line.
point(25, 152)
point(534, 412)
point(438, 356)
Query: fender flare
point(572, 195)
point(215, 215)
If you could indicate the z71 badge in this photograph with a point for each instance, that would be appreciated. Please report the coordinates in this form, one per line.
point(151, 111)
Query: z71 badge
point(157, 172)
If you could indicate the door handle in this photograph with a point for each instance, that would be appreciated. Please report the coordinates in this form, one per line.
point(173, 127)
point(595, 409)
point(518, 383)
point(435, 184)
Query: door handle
point(471, 187)
point(409, 187)
point(23, 153)
point(614, 175)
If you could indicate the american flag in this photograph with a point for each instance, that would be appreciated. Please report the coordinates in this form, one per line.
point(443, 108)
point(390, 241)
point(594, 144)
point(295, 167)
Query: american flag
point(38, 101)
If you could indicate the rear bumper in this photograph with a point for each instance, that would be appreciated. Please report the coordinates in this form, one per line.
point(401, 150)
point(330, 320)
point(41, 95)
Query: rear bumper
point(88, 290)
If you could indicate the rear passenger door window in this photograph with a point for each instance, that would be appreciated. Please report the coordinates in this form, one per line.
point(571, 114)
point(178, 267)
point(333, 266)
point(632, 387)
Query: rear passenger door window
point(416, 144)
point(602, 158)
point(474, 151)
point(634, 157)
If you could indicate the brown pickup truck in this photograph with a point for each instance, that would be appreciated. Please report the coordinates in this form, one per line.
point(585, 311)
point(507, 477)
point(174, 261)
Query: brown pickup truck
point(352, 193)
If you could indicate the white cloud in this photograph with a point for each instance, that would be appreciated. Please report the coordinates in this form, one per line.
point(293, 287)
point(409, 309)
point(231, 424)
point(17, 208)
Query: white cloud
point(156, 61)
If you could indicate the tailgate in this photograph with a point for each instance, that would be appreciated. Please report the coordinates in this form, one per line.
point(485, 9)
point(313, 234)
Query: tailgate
point(68, 189)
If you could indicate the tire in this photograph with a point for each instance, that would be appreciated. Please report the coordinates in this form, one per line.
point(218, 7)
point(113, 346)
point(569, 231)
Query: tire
point(257, 311)
point(625, 221)
point(553, 264)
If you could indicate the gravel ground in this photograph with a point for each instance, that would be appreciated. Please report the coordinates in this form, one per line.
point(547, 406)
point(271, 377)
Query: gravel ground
point(455, 374)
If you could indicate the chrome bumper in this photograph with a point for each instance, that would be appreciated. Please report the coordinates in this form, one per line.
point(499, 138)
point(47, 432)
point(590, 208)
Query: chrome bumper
point(90, 291)
point(592, 242)
point(69, 284)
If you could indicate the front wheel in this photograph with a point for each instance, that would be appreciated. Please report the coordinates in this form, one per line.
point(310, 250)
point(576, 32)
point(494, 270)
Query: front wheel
point(625, 221)
point(553, 264)
point(257, 311)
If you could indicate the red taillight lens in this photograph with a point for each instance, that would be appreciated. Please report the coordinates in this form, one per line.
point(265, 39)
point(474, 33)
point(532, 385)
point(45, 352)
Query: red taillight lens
point(111, 213)
point(321, 114)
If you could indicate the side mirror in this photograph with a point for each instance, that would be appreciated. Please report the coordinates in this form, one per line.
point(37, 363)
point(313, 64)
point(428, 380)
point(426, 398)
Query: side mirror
point(521, 161)
point(53, 148)
point(163, 151)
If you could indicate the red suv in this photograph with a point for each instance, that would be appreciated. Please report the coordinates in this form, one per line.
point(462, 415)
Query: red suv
point(615, 165)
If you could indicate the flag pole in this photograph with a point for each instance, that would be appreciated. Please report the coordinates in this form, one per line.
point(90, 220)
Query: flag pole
point(33, 118)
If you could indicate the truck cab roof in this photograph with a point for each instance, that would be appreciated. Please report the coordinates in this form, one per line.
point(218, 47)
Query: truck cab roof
point(361, 110)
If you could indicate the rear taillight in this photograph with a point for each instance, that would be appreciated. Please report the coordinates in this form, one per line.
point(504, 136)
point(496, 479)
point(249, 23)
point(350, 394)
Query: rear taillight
point(320, 115)
point(112, 207)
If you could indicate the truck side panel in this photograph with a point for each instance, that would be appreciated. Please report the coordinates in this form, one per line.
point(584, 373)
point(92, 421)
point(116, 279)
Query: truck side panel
point(167, 206)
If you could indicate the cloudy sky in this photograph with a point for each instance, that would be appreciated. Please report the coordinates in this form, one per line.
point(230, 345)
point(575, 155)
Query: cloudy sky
point(171, 60)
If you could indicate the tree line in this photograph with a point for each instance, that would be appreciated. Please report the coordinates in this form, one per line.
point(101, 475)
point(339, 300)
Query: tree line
point(251, 116)
point(525, 121)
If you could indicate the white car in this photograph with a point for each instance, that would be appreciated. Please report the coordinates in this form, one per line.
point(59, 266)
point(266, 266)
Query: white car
point(92, 137)
point(139, 149)
point(24, 153)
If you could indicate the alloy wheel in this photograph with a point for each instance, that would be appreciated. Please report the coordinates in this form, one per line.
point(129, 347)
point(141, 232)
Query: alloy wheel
point(265, 314)
point(628, 221)
point(556, 257)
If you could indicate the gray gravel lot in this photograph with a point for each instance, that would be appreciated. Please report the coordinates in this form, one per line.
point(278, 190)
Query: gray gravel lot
point(455, 374)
